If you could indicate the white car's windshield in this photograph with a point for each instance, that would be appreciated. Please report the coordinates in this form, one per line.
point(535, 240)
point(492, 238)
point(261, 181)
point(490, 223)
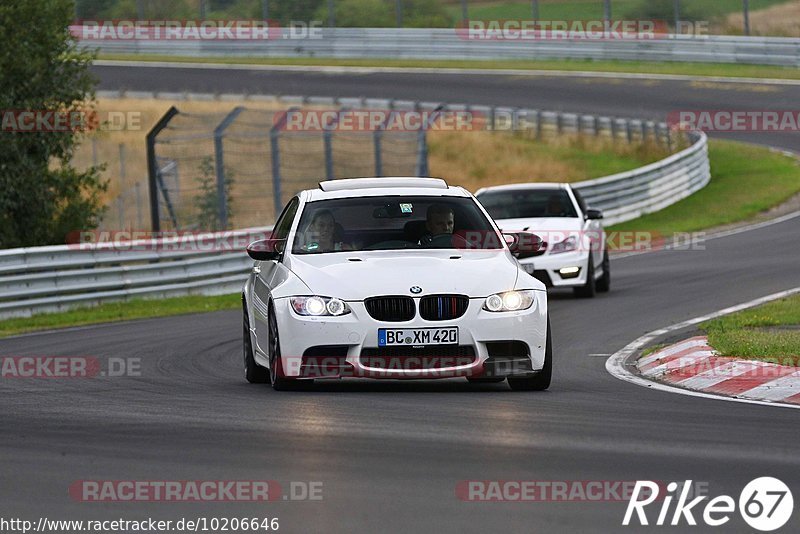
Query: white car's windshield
point(527, 203)
point(393, 223)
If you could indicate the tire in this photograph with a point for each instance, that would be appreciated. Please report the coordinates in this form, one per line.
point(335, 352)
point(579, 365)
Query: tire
point(587, 290)
point(604, 282)
point(253, 373)
point(276, 373)
point(541, 380)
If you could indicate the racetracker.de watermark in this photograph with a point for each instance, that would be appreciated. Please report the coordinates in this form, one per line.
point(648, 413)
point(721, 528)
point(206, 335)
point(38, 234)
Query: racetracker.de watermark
point(63, 121)
point(560, 30)
point(371, 120)
point(54, 367)
point(762, 120)
point(194, 491)
point(167, 241)
point(559, 490)
point(193, 30)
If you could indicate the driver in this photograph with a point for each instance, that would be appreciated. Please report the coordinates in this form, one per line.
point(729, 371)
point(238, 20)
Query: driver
point(439, 220)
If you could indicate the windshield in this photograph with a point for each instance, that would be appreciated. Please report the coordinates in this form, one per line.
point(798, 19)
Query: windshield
point(393, 223)
point(528, 203)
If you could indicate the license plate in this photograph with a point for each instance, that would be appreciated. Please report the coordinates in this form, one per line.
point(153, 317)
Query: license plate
point(391, 337)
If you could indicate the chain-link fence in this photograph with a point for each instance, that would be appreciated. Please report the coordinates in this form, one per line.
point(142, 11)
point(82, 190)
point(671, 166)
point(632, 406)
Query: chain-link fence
point(236, 170)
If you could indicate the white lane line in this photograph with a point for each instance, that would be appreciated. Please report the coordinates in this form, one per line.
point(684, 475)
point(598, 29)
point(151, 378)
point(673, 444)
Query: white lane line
point(342, 69)
point(616, 364)
point(675, 365)
point(775, 390)
point(665, 353)
point(714, 376)
point(717, 235)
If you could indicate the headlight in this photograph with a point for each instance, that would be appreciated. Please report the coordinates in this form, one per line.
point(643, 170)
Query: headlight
point(509, 301)
point(568, 245)
point(319, 306)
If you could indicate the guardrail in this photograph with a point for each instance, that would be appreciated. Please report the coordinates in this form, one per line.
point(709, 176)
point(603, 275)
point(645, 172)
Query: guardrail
point(443, 43)
point(55, 278)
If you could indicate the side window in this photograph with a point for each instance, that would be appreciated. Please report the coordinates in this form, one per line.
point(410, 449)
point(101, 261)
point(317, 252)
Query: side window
point(581, 202)
point(284, 223)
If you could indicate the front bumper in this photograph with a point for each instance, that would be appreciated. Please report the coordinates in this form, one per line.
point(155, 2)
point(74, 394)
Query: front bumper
point(548, 268)
point(348, 345)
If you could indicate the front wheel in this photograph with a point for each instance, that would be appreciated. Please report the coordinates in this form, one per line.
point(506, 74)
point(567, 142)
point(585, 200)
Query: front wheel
point(276, 373)
point(587, 290)
point(253, 373)
point(604, 282)
point(541, 380)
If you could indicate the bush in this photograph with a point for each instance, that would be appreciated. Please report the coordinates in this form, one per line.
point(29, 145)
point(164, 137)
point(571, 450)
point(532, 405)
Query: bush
point(665, 10)
point(383, 13)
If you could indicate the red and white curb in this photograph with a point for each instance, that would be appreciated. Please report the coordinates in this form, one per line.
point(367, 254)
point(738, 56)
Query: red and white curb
point(622, 364)
point(693, 364)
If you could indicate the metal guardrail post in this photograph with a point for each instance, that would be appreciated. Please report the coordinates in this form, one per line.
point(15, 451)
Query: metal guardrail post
point(152, 169)
point(219, 160)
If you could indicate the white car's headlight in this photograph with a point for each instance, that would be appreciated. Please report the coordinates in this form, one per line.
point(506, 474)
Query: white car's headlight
point(319, 306)
point(509, 301)
point(568, 245)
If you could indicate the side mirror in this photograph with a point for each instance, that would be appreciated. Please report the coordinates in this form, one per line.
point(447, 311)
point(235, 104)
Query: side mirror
point(593, 214)
point(524, 244)
point(266, 249)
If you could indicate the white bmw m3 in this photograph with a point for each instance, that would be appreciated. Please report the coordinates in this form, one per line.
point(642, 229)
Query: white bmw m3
point(399, 278)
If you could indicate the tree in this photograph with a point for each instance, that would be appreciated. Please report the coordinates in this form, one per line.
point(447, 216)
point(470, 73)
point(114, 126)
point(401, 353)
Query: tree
point(207, 201)
point(42, 197)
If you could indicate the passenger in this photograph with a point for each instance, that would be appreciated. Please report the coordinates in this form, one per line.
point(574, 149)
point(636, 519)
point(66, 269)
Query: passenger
point(320, 236)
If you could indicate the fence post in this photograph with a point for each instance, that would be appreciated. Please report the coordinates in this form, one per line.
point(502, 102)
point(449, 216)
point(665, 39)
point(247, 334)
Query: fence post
point(121, 162)
point(376, 140)
point(121, 211)
point(274, 137)
point(422, 140)
point(629, 130)
point(138, 187)
point(152, 169)
point(219, 160)
point(327, 142)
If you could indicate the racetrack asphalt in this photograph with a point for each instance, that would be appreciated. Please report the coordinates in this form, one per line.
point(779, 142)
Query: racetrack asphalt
point(390, 454)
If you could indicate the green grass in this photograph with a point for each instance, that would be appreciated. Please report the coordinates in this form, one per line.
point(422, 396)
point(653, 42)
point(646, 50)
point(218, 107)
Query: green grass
point(637, 67)
point(745, 181)
point(756, 334)
point(120, 311)
point(593, 9)
point(655, 348)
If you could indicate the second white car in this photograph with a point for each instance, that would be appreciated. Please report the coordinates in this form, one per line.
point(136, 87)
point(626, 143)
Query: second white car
point(576, 253)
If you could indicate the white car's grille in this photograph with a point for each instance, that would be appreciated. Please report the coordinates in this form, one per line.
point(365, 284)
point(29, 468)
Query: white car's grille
point(391, 309)
point(443, 307)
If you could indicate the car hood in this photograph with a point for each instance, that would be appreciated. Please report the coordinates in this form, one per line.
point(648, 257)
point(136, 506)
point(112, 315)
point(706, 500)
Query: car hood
point(359, 275)
point(550, 229)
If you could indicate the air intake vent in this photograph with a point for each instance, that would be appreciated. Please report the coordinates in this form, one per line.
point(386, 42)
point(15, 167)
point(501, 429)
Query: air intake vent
point(443, 307)
point(391, 309)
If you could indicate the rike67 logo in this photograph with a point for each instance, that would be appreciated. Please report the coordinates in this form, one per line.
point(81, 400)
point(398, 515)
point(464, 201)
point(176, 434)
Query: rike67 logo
point(765, 504)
